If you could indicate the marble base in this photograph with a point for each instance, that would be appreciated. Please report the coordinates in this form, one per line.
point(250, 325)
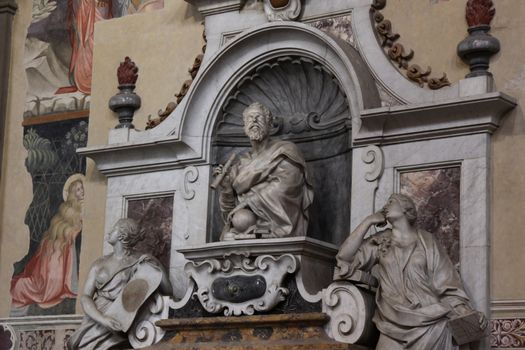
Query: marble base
point(266, 332)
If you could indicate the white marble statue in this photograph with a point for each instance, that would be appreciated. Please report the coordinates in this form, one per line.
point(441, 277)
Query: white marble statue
point(419, 288)
point(117, 286)
point(266, 192)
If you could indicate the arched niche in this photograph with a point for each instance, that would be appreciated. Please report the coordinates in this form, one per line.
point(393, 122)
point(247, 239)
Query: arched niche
point(311, 109)
point(193, 122)
point(315, 86)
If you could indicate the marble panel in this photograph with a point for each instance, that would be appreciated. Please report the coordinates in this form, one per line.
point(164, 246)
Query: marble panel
point(155, 217)
point(436, 193)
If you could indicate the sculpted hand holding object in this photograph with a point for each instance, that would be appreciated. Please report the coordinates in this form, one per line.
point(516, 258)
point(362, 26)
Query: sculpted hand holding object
point(419, 289)
point(265, 193)
point(117, 286)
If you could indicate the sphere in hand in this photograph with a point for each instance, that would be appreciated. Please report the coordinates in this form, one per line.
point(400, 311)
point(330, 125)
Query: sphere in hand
point(243, 220)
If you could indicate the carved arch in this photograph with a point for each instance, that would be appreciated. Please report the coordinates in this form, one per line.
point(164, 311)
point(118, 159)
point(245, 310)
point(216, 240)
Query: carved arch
point(194, 120)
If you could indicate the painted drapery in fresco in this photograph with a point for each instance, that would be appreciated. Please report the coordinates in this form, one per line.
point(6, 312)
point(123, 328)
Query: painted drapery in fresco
point(45, 281)
point(59, 50)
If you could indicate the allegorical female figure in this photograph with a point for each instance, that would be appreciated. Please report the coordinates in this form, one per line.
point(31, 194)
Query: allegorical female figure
point(48, 277)
point(117, 286)
point(419, 288)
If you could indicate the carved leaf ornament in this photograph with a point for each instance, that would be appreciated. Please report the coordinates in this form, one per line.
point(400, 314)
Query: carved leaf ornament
point(398, 54)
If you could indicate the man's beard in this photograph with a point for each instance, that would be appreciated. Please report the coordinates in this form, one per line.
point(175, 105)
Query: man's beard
point(257, 133)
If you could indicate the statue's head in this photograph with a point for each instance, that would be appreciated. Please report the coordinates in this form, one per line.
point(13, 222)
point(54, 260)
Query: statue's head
point(127, 232)
point(257, 121)
point(399, 205)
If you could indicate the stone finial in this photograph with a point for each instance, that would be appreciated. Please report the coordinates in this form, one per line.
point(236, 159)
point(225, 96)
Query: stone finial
point(127, 72)
point(480, 12)
point(126, 102)
point(477, 49)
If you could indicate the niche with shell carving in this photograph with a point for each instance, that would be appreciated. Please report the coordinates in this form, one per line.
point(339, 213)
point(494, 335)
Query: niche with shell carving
point(310, 109)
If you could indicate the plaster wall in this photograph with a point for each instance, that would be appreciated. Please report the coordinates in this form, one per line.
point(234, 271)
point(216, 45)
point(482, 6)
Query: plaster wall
point(433, 29)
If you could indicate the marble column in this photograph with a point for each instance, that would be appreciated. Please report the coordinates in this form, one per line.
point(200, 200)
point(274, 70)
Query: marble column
point(7, 12)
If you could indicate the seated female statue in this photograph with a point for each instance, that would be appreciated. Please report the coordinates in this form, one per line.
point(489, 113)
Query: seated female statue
point(419, 288)
point(117, 286)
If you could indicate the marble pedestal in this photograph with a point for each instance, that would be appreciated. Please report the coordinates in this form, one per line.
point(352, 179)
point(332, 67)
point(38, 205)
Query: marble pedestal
point(265, 332)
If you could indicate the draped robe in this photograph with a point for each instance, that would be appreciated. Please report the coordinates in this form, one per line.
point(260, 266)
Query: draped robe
point(418, 287)
point(94, 336)
point(274, 185)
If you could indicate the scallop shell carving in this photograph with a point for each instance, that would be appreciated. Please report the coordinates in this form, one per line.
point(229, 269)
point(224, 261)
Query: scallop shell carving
point(303, 96)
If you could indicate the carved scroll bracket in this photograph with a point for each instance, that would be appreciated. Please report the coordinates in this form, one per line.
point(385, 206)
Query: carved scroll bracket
point(351, 310)
point(240, 285)
point(191, 175)
point(373, 156)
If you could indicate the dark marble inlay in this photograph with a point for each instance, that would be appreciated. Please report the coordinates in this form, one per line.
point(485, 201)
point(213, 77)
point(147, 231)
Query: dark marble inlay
point(155, 217)
point(238, 289)
point(437, 196)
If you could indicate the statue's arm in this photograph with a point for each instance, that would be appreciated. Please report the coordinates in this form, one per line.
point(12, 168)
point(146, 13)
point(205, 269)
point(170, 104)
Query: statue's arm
point(88, 305)
point(351, 245)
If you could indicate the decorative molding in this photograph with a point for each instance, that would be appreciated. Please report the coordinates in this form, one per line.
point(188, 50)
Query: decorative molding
point(506, 308)
point(400, 55)
point(463, 116)
point(507, 333)
point(215, 7)
point(191, 175)
point(193, 70)
point(282, 10)
point(212, 275)
point(373, 156)
point(351, 310)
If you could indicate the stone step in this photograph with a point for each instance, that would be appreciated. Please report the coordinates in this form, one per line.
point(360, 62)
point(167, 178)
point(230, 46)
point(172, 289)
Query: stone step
point(261, 332)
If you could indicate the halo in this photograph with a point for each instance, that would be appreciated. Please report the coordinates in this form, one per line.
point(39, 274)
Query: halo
point(69, 181)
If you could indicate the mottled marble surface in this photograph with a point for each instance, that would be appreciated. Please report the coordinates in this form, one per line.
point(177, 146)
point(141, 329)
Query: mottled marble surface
point(268, 332)
point(155, 217)
point(437, 196)
point(340, 27)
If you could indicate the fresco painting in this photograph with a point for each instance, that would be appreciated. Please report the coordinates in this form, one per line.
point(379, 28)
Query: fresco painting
point(436, 194)
point(45, 280)
point(59, 50)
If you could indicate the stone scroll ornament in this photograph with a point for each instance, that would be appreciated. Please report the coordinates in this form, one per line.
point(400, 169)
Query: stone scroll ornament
point(282, 10)
point(477, 49)
point(126, 102)
point(240, 285)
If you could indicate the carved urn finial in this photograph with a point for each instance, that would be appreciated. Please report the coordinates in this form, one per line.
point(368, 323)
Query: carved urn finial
point(126, 102)
point(479, 46)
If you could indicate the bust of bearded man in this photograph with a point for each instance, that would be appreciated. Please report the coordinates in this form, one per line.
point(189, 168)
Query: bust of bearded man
point(265, 193)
